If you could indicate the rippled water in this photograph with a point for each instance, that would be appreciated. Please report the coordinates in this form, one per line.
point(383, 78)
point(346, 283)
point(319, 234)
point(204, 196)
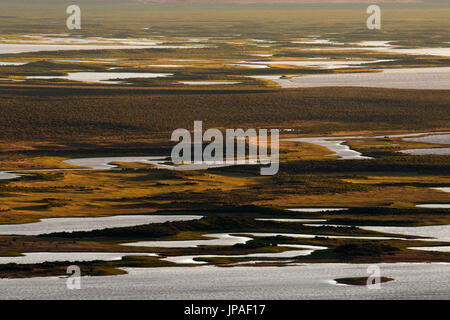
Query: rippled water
point(171, 66)
point(310, 236)
point(226, 239)
point(437, 248)
point(375, 43)
point(103, 77)
point(5, 175)
point(407, 78)
point(218, 239)
point(443, 52)
point(13, 48)
point(208, 83)
point(434, 205)
point(305, 250)
point(158, 162)
point(317, 41)
point(444, 189)
point(433, 138)
point(252, 66)
point(104, 163)
point(439, 139)
point(337, 146)
point(315, 209)
point(436, 233)
point(40, 257)
point(62, 39)
point(311, 281)
point(2, 63)
point(86, 61)
point(326, 64)
point(293, 220)
point(428, 151)
point(87, 224)
point(262, 55)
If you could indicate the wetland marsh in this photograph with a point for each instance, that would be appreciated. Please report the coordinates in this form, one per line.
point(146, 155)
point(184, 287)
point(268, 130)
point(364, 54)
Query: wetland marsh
point(86, 176)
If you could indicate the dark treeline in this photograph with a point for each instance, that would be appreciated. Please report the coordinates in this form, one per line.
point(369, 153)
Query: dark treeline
point(265, 212)
point(418, 164)
point(62, 115)
point(430, 164)
point(206, 224)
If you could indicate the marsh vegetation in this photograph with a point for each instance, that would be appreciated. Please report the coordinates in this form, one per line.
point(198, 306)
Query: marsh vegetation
point(50, 119)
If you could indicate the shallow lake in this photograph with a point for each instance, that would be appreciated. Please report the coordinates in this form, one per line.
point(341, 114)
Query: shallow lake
point(209, 83)
point(310, 281)
point(104, 163)
point(442, 52)
point(5, 175)
point(334, 145)
point(252, 66)
point(428, 151)
point(305, 250)
point(436, 248)
point(317, 41)
point(104, 77)
point(315, 209)
point(12, 63)
point(41, 257)
point(217, 239)
point(433, 138)
point(311, 236)
point(407, 78)
point(444, 189)
point(87, 223)
point(293, 220)
point(434, 205)
point(13, 48)
point(326, 64)
point(225, 239)
point(435, 233)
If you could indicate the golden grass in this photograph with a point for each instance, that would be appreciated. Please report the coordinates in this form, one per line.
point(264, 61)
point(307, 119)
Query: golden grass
point(383, 196)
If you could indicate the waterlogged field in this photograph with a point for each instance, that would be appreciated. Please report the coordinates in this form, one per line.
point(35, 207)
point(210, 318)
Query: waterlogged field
point(192, 49)
point(87, 116)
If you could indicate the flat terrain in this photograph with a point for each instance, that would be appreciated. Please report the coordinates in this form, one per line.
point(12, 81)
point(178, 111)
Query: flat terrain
point(133, 76)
